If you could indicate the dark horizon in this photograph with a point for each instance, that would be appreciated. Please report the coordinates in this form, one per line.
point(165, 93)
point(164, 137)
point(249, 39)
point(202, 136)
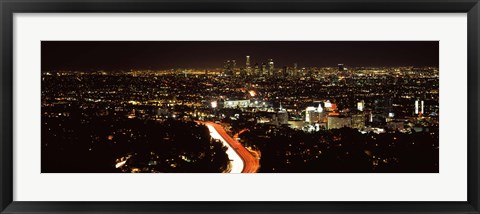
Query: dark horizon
point(126, 55)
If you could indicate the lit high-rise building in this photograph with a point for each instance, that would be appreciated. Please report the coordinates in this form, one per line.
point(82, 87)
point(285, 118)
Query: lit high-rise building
point(361, 105)
point(248, 68)
point(257, 69)
point(264, 69)
point(416, 106)
point(421, 107)
point(270, 66)
point(328, 104)
point(282, 116)
point(311, 115)
point(229, 67)
point(285, 71)
point(234, 64)
point(358, 121)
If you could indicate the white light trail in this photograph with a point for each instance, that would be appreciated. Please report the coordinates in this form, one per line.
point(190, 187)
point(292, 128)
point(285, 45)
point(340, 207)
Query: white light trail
point(236, 162)
point(120, 164)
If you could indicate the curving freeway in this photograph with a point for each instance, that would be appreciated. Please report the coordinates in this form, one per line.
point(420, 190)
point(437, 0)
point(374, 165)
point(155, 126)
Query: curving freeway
point(250, 163)
point(236, 162)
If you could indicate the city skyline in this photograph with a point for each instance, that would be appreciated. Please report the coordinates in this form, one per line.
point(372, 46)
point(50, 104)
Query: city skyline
point(126, 55)
point(245, 115)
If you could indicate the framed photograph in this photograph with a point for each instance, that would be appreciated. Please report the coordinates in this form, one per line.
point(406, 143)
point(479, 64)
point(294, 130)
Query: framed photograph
point(239, 106)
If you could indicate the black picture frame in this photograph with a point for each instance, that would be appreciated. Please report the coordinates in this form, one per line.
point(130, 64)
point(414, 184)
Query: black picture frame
point(9, 7)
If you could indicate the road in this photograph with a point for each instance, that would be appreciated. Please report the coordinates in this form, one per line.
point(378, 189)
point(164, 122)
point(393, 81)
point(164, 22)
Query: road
point(236, 163)
point(251, 164)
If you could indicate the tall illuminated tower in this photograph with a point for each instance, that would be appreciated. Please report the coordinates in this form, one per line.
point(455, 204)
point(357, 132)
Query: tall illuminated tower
point(229, 67)
point(421, 108)
point(416, 106)
point(270, 66)
point(361, 105)
point(247, 66)
point(295, 71)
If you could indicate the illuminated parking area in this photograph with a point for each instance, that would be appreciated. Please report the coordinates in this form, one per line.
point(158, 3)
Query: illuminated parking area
point(235, 160)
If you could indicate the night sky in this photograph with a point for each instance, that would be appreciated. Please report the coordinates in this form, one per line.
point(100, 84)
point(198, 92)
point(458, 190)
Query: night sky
point(125, 55)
